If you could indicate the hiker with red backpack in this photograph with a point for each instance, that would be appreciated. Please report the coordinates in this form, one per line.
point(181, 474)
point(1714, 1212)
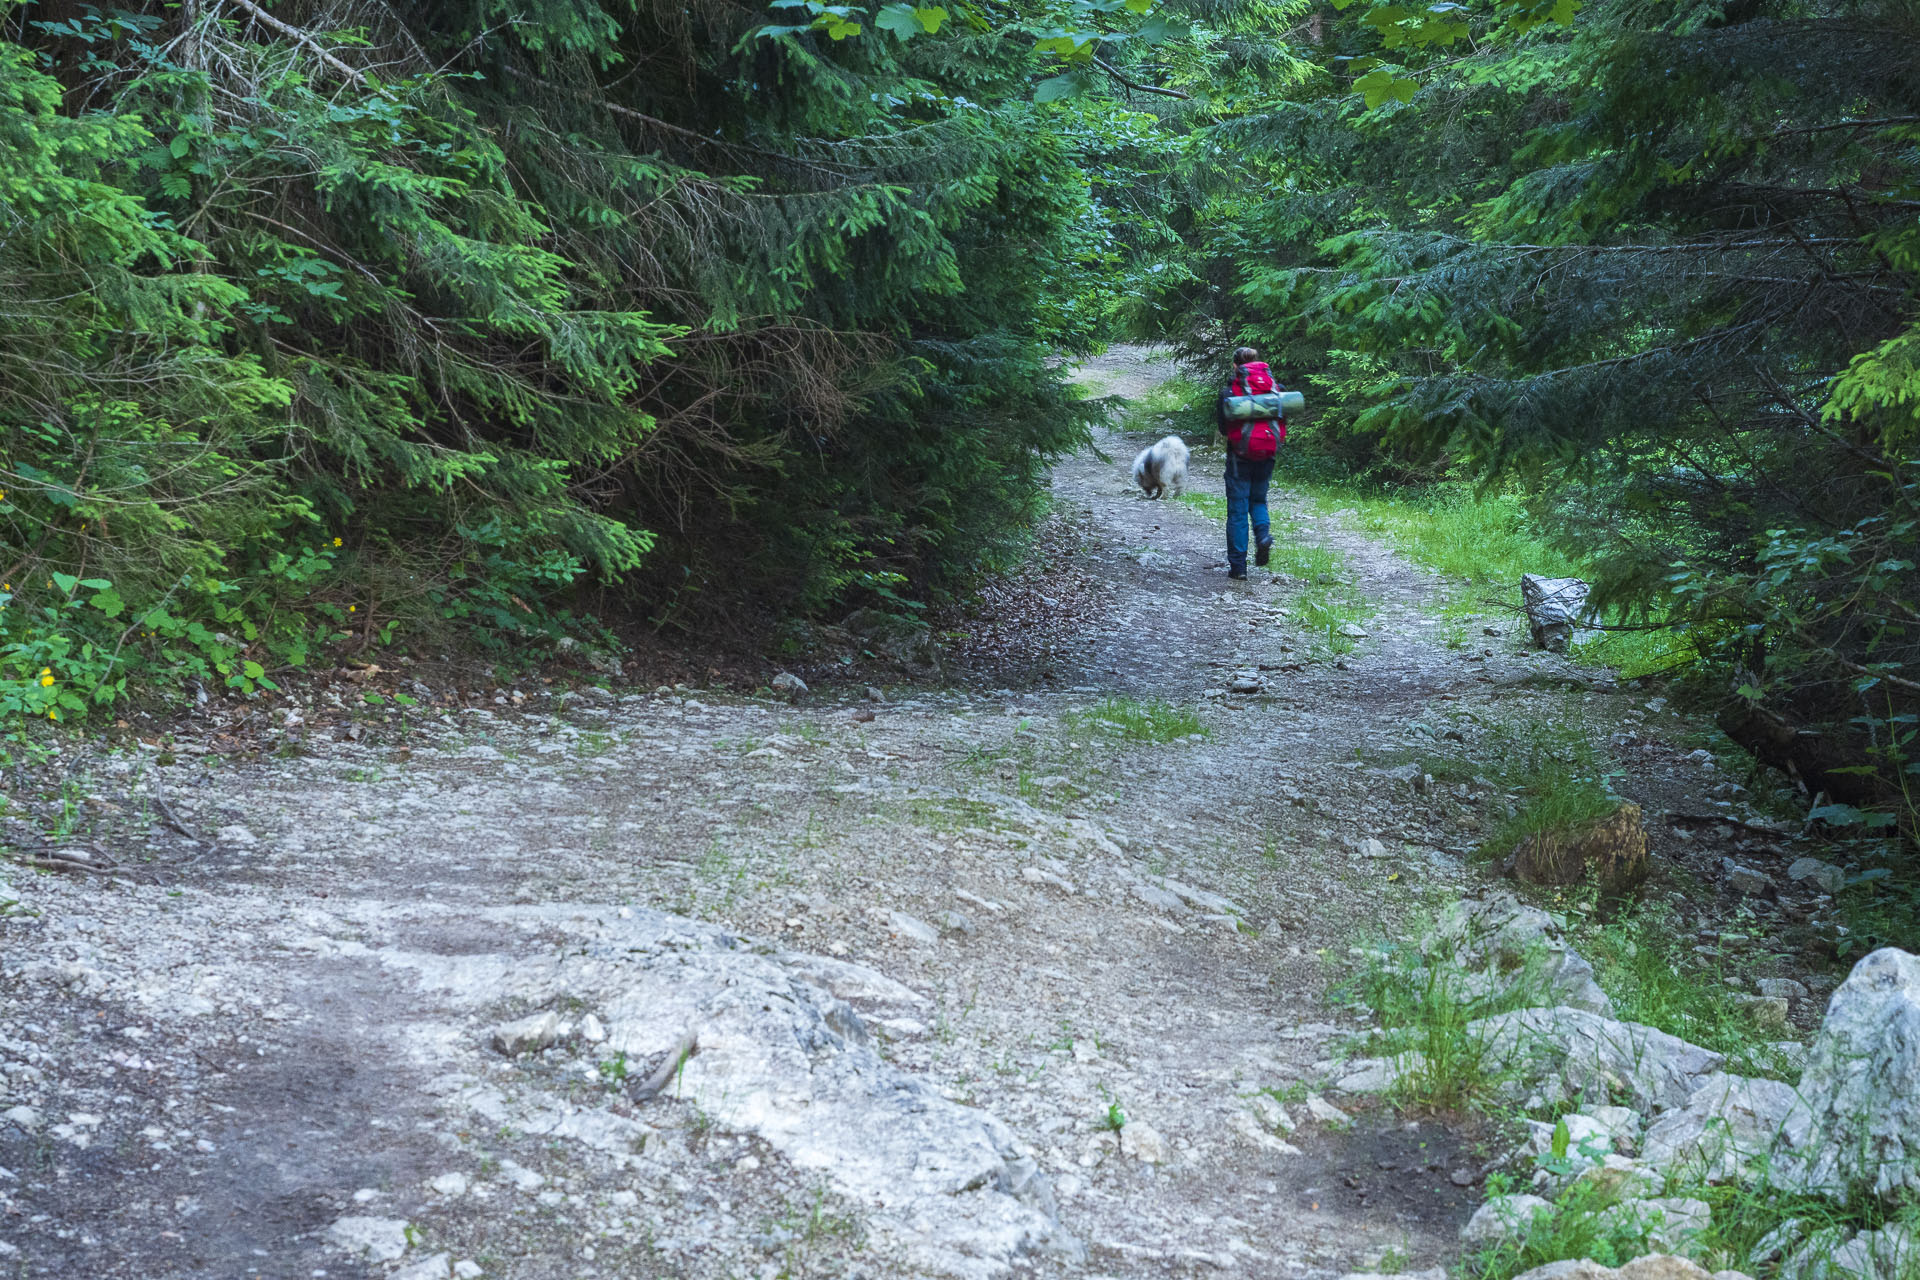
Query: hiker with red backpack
point(1252, 445)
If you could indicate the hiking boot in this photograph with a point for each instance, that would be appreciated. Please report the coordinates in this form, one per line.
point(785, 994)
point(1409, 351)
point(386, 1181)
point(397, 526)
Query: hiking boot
point(1262, 552)
point(1238, 571)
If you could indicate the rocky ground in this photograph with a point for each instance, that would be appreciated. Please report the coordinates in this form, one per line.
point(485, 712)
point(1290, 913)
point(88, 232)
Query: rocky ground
point(969, 976)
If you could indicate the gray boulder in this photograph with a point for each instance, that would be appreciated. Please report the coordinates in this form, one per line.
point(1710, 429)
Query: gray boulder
point(1555, 608)
point(1668, 1223)
point(1860, 1131)
point(1508, 949)
point(1570, 1054)
point(1823, 876)
point(1891, 1253)
point(1503, 1218)
point(1725, 1131)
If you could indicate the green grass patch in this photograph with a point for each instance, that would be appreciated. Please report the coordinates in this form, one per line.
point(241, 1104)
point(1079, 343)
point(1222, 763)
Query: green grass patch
point(1642, 959)
point(1138, 720)
point(1746, 1220)
point(955, 813)
point(1175, 398)
point(1487, 541)
point(1551, 773)
point(1424, 1008)
point(1576, 1227)
point(1211, 505)
point(1558, 798)
point(1561, 777)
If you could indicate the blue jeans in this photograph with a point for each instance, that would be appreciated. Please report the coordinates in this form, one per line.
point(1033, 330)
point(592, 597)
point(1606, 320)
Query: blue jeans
point(1246, 498)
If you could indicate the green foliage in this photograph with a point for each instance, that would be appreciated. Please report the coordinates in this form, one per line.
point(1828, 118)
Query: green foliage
point(1643, 961)
point(1577, 1226)
point(680, 313)
point(1652, 268)
point(1556, 777)
point(1424, 1008)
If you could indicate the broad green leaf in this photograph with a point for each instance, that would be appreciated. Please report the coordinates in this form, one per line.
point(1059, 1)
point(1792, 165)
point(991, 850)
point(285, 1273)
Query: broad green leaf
point(899, 19)
point(1054, 88)
point(1379, 85)
point(1159, 29)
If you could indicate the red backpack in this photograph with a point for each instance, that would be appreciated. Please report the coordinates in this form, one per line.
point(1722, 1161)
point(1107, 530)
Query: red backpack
point(1259, 440)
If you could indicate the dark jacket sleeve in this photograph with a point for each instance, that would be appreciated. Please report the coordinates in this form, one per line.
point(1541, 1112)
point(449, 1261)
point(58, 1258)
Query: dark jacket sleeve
point(1220, 408)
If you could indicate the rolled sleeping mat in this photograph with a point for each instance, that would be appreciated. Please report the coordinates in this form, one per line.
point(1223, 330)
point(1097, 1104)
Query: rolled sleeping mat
point(1273, 404)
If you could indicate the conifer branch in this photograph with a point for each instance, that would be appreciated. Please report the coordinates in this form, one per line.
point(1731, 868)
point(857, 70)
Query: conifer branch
point(1882, 123)
point(303, 37)
point(1136, 85)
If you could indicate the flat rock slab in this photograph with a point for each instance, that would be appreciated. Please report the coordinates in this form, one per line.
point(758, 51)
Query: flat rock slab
point(777, 1055)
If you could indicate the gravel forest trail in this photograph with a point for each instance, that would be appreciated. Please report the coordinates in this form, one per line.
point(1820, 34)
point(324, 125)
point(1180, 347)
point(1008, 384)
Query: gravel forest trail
point(898, 965)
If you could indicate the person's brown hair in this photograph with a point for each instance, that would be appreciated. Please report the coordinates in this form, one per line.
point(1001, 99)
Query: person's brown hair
point(1245, 355)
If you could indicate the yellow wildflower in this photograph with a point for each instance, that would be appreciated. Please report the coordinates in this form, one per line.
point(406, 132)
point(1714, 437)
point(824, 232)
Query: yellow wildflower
point(336, 542)
point(353, 608)
point(45, 680)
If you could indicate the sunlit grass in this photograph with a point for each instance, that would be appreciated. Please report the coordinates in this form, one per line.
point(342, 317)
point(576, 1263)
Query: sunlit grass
point(1486, 541)
point(1140, 719)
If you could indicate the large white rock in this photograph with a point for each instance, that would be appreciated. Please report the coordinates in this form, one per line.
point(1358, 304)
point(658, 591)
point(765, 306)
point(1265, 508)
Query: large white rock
point(1508, 949)
point(1555, 608)
point(1667, 1223)
point(530, 1034)
point(1891, 1253)
point(1725, 1131)
point(1860, 1092)
point(1503, 1218)
point(1570, 1053)
point(438, 1267)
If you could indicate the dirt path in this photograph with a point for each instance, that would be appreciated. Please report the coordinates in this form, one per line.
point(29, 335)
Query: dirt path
point(285, 1056)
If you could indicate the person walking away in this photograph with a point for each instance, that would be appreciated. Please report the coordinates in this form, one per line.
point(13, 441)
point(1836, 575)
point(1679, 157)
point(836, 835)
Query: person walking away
point(1251, 449)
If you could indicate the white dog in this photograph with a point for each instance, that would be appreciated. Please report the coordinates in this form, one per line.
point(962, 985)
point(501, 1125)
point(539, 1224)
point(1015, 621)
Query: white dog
point(1161, 466)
